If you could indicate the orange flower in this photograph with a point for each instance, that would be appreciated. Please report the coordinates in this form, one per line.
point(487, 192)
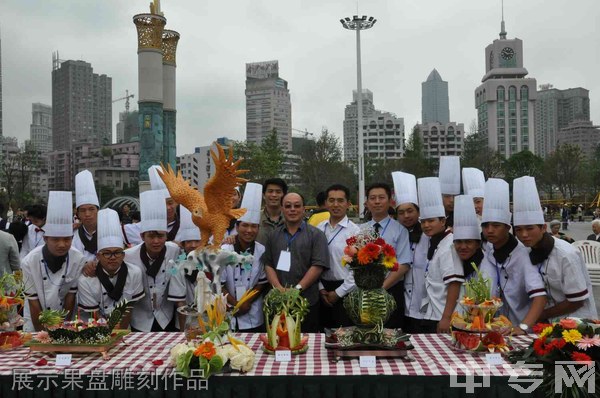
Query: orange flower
point(568, 323)
point(206, 350)
point(368, 253)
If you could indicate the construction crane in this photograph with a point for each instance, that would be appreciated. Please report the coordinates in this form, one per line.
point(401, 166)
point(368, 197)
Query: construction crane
point(126, 98)
point(305, 132)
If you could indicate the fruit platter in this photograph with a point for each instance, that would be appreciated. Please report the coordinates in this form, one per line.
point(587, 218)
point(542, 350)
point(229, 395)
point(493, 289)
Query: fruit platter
point(78, 336)
point(475, 327)
point(11, 299)
point(349, 342)
point(284, 312)
point(13, 339)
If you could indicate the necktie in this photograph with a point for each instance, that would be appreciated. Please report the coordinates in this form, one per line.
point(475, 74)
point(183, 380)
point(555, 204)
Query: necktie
point(39, 230)
point(377, 227)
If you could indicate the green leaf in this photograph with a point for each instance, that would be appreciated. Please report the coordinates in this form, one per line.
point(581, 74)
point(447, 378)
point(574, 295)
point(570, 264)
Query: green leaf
point(182, 363)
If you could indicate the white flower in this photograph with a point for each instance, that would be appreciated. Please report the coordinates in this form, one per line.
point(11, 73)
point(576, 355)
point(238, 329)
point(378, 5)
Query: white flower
point(242, 360)
point(178, 350)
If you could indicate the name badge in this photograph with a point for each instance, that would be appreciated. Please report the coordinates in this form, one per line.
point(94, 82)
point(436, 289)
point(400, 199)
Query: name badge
point(285, 261)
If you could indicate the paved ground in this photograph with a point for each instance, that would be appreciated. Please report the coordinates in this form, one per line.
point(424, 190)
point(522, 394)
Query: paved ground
point(578, 230)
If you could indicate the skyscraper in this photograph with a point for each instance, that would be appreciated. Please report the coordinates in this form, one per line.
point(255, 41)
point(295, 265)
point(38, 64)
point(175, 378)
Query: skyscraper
point(351, 124)
point(434, 99)
point(40, 130)
point(268, 104)
point(505, 100)
point(81, 105)
point(554, 110)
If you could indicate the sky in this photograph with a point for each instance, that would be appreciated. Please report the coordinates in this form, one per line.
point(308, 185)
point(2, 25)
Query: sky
point(316, 55)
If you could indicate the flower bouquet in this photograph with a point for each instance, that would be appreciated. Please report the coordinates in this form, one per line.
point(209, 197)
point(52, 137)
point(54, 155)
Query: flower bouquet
point(570, 339)
point(284, 312)
point(477, 328)
point(369, 306)
point(11, 298)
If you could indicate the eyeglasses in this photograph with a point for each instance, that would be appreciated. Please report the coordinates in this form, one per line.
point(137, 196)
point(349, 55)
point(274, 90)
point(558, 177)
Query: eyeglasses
point(109, 255)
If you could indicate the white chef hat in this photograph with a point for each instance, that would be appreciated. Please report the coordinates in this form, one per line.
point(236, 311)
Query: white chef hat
point(59, 218)
point(430, 198)
point(466, 224)
point(496, 202)
point(153, 212)
point(405, 188)
point(251, 201)
point(187, 229)
point(473, 182)
point(526, 202)
point(110, 233)
point(450, 175)
point(85, 190)
point(156, 183)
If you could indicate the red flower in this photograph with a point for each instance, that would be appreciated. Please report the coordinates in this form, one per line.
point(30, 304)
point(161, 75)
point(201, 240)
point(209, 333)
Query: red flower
point(540, 348)
point(537, 328)
point(389, 251)
point(557, 343)
point(351, 241)
point(580, 357)
point(372, 249)
point(380, 242)
point(395, 267)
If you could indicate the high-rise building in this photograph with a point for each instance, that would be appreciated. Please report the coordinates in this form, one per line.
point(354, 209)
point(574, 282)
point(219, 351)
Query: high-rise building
point(40, 130)
point(268, 104)
point(128, 128)
point(442, 139)
point(351, 123)
point(1, 133)
point(81, 105)
point(505, 101)
point(198, 167)
point(435, 106)
point(554, 110)
point(383, 136)
point(583, 133)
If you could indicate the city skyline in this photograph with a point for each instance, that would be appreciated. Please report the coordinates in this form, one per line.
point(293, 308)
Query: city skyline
point(319, 62)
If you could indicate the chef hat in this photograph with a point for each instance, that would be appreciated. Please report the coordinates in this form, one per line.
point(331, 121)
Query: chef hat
point(473, 182)
point(187, 229)
point(109, 233)
point(59, 218)
point(156, 183)
point(85, 190)
point(251, 201)
point(466, 224)
point(450, 175)
point(496, 202)
point(153, 211)
point(430, 198)
point(526, 202)
point(405, 188)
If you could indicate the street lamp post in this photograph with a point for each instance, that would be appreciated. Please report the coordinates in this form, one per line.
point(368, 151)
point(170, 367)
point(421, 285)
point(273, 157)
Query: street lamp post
point(359, 23)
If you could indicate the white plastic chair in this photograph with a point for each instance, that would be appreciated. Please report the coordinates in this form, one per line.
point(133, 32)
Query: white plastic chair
point(590, 250)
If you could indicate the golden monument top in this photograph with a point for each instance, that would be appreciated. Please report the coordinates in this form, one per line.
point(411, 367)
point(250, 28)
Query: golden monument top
point(155, 8)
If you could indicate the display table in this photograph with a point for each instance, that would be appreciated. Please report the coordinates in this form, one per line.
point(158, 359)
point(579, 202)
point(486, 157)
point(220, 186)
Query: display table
point(140, 366)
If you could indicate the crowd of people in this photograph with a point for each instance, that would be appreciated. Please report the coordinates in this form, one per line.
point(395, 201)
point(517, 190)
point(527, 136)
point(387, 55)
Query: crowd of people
point(441, 239)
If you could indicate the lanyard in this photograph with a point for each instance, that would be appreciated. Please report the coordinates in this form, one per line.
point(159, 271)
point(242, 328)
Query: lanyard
point(336, 234)
point(384, 228)
point(290, 238)
point(545, 280)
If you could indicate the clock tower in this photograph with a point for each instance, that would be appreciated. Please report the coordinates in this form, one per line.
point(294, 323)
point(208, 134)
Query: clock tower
point(505, 99)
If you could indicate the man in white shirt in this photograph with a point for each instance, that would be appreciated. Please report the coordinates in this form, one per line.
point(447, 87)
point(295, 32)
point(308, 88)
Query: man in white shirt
point(568, 285)
point(378, 202)
point(337, 281)
point(51, 271)
point(115, 279)
point(514, 279)
point(36, 214)
point(86, 200)
point(154, 312)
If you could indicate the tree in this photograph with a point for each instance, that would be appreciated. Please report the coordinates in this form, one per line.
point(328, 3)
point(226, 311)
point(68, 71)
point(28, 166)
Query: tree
point(17, 169)
point(264, 160)
point(322, 166)
point(414, 161)
point(476, 153)
point(564, 169)
point(523, 163)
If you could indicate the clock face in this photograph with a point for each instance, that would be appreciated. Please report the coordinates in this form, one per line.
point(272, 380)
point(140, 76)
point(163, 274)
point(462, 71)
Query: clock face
point(507, 53)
